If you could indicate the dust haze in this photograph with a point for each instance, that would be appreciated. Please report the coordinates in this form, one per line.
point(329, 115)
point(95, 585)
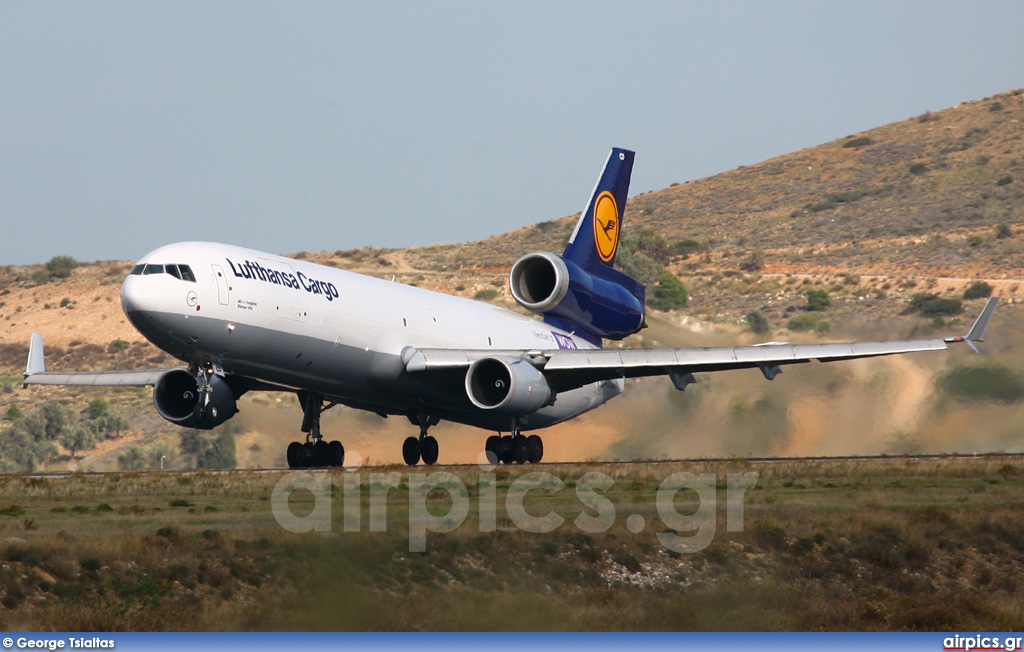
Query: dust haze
point(861, 407)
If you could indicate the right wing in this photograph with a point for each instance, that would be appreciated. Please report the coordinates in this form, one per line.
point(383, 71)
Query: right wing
point(569, 369)
point(36, 373)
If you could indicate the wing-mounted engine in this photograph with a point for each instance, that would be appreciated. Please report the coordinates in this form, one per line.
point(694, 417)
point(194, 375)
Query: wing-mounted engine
point(507, 385)
point(609, 305)
point(179, 398)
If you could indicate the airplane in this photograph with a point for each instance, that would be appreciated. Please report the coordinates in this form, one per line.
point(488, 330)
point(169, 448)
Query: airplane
point(242, 320)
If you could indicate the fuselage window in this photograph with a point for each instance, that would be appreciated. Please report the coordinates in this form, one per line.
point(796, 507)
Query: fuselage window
point(153, 269)
point(186, 273)
point(173, 271)
point(137, 270)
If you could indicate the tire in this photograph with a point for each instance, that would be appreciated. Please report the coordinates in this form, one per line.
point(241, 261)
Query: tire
point(411, 451)
point(335, 454)
point(429, 450)
point(520, 451)
point(294, 455)
point(505, 449)
point(321, 454)
point(491, 449)
point(535, 448)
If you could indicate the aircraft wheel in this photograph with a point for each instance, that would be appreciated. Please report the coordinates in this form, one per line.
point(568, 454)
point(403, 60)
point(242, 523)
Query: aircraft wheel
point(335, 454)
point(411, 451)
point(520, 451)
point(321, 454)
point(505, 449)
point(294, 455)
point(491, 449)
point(535, 448)
point(306, 455)
point(428, 450)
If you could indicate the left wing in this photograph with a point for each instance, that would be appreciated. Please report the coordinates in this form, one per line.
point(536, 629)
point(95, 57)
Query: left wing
point(36, 373)
point(569, 369)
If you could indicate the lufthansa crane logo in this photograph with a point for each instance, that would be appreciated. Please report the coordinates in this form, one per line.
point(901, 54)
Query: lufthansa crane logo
point(606, 226)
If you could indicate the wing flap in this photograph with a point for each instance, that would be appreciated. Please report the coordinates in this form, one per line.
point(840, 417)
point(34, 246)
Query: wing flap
point(732, 357)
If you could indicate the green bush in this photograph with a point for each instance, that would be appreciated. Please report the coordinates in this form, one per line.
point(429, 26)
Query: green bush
point(863, 141)
point(670, 293)
point(804, 322)
point(686, 247)
point(978, 290)
point(986, 382)
point(13, 510)
point(1003, 231)
point(96, 408)
point(487, 294)
point(818, 300)
point(168, 532)
point(758, 322)
point(61, 266)
point(932, 305)
point(1004, 181)
point(918, 168)
point(131, 460)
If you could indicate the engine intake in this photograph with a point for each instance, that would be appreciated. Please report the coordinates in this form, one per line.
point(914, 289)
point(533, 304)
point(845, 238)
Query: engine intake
point(604, 304)
point(539, 281)
point(177, 399)
point(507, 385)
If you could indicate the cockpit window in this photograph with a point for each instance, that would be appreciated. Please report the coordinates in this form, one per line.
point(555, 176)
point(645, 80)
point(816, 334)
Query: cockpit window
point(180, 272)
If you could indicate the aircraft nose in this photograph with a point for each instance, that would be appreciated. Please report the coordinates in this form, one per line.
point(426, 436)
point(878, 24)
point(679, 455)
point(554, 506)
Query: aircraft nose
point(133, 295)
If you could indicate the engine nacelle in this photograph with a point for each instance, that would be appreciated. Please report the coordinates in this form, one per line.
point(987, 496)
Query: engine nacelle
point(607, 306)
point(176, 398)
point(507, 385)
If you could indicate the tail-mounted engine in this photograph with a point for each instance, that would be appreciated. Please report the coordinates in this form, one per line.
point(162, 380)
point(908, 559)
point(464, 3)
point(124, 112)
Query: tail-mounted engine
point(507, 386)
point(607, 306)
point(179, 398)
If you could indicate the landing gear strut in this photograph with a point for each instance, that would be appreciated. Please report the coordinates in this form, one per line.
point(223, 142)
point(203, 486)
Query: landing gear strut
point(315, 452)
point(423, 447)
point(515, 447)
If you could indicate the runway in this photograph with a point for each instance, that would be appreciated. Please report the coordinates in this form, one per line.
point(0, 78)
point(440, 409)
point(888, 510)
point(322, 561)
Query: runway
point(604, 463)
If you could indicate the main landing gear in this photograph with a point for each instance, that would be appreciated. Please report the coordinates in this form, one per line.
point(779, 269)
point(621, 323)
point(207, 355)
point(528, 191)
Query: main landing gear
point(423, 447)
point(315, 452)
point(516, 447)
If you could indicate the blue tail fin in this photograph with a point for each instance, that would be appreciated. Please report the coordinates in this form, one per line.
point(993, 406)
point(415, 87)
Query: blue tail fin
point(595, 241)
point(600, 300)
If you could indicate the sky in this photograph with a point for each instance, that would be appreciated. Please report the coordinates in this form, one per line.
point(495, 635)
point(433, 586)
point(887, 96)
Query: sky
point(310, 126)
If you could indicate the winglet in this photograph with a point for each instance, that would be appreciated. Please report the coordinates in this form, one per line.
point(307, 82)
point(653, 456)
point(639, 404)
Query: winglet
point(36, 363)
point(977, 332)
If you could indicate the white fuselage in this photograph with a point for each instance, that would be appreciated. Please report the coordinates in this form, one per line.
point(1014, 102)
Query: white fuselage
point(299, 325)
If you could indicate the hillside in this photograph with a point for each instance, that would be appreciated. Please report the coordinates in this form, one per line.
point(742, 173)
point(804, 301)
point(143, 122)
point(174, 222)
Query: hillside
point(929, 204)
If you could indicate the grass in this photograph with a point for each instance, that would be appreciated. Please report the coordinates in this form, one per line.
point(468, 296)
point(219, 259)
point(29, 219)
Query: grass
point(888, 544)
